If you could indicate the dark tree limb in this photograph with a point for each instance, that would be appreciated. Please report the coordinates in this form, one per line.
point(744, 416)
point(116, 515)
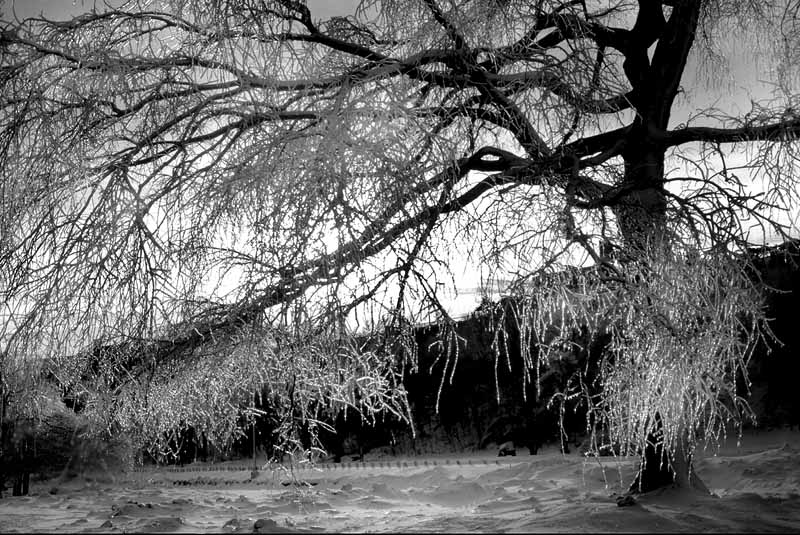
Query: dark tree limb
point(787, 130)
point(669, 62)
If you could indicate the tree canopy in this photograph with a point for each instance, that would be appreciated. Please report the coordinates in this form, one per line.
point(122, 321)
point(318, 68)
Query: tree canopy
point(242, 179)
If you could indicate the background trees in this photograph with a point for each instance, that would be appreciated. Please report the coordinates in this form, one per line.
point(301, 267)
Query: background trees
point(178, 175)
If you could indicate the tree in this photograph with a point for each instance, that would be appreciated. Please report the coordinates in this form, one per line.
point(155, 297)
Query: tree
point(176, 174)
point(21, 398)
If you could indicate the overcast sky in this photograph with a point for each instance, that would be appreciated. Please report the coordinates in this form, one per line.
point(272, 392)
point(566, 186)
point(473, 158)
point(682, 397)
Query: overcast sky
point(60, 9)
point(732, 92)
point(734, 88)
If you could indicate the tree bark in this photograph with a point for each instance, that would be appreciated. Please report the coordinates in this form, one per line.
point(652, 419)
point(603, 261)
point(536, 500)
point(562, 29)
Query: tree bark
point(642, 220)
point(661, 469)
point(641, 214)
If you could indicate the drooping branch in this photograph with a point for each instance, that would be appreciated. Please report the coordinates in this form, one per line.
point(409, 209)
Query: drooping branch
point(198, 170)
point(221, 320)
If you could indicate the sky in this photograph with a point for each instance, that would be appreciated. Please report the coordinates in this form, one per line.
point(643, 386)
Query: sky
point(732, 89)
point(59, 9)
point(735, 90)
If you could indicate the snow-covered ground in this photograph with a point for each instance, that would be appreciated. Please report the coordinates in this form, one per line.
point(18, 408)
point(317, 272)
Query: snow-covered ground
point(757, 488)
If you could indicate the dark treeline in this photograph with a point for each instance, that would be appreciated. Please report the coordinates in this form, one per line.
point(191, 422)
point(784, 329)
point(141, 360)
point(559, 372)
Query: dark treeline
point(470, 415)
point(774, 370)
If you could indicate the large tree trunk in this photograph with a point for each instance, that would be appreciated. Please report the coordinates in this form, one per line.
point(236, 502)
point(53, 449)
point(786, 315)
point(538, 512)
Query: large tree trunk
point(641, 215)
point(642, 219)
point(659, 470)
